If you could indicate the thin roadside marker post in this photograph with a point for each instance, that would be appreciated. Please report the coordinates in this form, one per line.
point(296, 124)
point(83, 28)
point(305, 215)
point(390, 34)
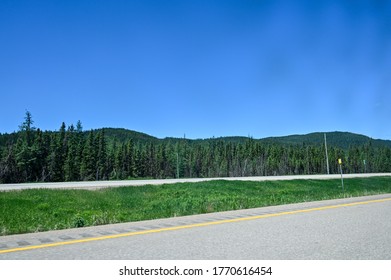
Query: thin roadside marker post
point(340, 168)
point(327, 155)
point(177, 165)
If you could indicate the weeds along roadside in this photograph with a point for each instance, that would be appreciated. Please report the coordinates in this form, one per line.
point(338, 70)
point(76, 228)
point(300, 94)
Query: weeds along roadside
point(44, 209)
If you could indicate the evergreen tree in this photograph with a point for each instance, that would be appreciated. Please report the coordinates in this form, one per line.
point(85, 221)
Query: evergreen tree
point(101, 153)
point(8, 166)
point(79, 148)
point(58, 155)
point(27, 129)
point(40, 152)
point(24, 156)
point(88, 164)
point(71, 167)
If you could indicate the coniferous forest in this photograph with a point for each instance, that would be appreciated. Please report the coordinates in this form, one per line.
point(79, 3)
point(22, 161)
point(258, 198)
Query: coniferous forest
point(71, 154)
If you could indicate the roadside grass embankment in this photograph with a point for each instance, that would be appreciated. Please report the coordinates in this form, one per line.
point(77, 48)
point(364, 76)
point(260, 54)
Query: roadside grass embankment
point(44, 209)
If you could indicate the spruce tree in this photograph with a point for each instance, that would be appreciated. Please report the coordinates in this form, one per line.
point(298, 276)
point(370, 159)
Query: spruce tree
point(70, 169)
point(101, 154)
point(88, 163)
point(24, 156)
point(8, 166)
point(58, 155)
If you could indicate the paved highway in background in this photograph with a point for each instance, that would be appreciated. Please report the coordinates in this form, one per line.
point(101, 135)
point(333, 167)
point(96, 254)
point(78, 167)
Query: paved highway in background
point(105, 184)
point(348, 229)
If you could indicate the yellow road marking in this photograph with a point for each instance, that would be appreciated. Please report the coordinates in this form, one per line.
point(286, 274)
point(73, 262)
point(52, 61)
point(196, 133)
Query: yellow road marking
point(191, 226)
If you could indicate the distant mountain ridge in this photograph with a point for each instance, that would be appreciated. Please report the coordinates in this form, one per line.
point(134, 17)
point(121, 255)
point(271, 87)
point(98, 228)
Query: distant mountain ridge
point(123, 135)
point(338, 139)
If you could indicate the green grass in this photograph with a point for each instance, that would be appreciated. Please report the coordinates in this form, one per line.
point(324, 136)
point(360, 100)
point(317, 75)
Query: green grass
point(43, 209)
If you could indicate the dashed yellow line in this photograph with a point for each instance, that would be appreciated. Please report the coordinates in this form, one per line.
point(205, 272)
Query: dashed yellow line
point(191, 226)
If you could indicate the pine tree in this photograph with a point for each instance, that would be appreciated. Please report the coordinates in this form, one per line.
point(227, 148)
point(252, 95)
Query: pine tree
point(40, 152)
point(71, 168)
point(88, 164)
point(58, 155)
point(27, 129)
point(130, 161)
point(8, 166)
point(80, 141)
point(101, 154)
point(23, 150)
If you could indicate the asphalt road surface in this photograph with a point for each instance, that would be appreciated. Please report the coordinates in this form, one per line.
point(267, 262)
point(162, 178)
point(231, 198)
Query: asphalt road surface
point(348, 229)
point(105, 184)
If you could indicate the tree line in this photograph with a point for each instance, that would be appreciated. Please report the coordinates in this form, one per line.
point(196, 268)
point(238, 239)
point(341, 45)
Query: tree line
point(71, 154)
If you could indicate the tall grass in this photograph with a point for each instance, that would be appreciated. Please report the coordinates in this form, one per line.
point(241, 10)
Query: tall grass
point(44, 209)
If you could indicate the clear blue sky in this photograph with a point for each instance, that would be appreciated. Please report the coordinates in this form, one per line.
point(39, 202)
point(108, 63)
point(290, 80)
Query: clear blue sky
point(200, 68)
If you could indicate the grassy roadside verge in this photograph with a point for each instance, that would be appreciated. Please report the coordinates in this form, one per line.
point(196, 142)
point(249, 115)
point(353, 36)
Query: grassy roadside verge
point(43, 209)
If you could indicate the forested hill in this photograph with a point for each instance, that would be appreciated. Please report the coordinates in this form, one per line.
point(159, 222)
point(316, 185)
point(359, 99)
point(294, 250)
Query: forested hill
point(343, 140)
point(122, 135)
point(71, 154)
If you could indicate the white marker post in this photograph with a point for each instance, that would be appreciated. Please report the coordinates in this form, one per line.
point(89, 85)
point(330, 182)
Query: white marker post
point(340, 168)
